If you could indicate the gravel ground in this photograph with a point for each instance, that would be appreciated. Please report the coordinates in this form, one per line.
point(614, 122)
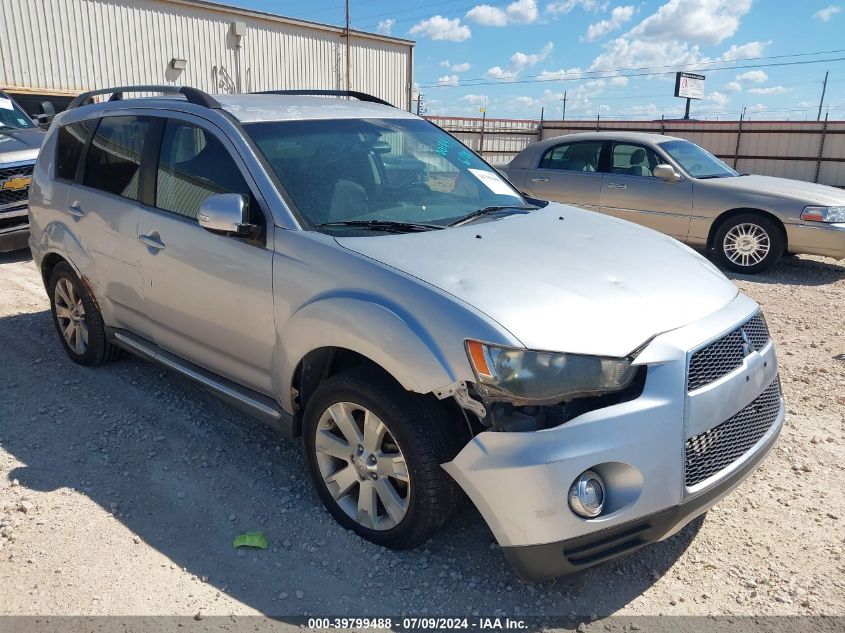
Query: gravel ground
point(121, 489)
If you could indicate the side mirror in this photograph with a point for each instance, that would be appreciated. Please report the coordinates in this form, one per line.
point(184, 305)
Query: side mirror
point(667, 173)
point(46, 114)
point(225, 213)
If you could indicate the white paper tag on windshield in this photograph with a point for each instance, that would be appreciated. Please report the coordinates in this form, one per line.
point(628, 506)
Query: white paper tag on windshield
point(6, 104)
point(493, 182)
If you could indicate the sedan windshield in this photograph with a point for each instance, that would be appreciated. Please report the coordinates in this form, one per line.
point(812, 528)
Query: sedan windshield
point(697, 161)
point(379, 175)
point(11, 116)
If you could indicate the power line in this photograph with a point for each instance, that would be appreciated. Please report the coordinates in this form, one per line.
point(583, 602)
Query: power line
point(626, 72)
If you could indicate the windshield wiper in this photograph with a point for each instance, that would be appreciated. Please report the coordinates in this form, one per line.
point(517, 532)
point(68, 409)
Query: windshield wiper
point(488, 210)
point(382, 225)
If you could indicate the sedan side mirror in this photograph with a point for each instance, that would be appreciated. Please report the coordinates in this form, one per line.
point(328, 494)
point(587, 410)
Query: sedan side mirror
point(667, 173)
point(225, 213)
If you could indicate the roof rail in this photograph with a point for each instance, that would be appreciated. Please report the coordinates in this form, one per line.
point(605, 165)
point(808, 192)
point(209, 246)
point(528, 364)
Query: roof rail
point(361, 96)
point(192, 95)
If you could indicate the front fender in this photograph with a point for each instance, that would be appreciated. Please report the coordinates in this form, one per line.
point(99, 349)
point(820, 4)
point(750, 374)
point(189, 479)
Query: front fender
point(372, 326)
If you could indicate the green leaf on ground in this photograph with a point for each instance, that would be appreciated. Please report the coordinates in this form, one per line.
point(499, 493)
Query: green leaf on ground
point(251, 539)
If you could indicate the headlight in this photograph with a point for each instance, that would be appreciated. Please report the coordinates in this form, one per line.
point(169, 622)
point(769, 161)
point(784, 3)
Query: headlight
point(824, 214)
point(524, 376)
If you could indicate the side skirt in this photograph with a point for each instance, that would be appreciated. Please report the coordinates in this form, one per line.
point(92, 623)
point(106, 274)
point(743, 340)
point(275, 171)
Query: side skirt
point(251, 402)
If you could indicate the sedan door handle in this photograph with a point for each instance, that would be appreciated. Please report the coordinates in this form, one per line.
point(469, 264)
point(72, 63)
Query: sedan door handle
point(614, 185)
point(152, 240)
point(75, 210)
point(539, 180)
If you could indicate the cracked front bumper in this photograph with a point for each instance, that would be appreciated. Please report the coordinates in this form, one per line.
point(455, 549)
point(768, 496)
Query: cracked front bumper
point(519, 481)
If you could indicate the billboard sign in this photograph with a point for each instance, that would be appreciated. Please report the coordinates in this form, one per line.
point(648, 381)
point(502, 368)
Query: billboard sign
point(689, 85)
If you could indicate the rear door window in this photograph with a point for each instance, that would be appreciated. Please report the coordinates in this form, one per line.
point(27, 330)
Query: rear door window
point(69, 144)
point(113, 162)
point(194, 165)
point(583, 156)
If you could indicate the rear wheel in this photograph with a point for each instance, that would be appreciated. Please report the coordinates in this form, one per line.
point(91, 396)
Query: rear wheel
point(78, 320)
point(374, 452)
point(748, 243)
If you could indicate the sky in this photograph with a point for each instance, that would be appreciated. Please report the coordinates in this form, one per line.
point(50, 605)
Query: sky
point(614, 59)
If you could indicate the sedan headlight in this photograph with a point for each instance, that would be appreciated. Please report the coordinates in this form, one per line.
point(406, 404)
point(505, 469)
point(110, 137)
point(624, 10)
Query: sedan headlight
point(824, 214)
point(525, 376)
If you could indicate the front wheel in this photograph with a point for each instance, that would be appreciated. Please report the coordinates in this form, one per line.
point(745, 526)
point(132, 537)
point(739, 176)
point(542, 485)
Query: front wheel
point(748, 243)
point(374, 452)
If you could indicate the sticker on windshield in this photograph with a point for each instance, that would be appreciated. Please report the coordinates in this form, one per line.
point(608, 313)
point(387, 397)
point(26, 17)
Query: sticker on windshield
point(493, 182)
point(6, 104)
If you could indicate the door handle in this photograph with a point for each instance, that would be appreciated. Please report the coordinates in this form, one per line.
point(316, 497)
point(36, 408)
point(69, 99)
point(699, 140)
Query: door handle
point(75, 210)
point(539, 180)
point(614, 185)
point(152, 240)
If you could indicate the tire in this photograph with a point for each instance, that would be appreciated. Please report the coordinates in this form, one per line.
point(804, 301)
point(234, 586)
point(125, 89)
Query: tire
point(416, 434)
point(748, 243)
point(74, 309)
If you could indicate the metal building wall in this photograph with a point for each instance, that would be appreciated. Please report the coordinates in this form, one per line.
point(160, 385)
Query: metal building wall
point(67, 46)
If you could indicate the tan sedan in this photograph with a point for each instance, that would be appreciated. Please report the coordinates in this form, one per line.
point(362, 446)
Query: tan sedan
point(674, 186)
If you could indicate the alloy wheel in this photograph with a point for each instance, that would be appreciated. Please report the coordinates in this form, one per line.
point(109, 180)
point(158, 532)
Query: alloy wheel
point(746, 244)
point(70, 312)
point(362, 466)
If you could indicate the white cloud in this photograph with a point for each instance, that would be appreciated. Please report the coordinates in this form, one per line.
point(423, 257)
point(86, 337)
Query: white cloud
point(733, 86)
point(707, 21)
point(562, 7)
point(618, 17)
point(385, 27)
point(623, 52)
point(717, 99)
point(519, 62)
point(474, 99)
point(558, 75)
point(439, 28)
point(744, 51)
point(772, 90)
point(523, 103)
point(461, 68)
point(448, 80)
point(519, 12)
point(619, 81)
point(753, 77)
point(828, 12)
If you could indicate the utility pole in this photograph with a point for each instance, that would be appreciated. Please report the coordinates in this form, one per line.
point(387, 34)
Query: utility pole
point(348, 59)
point(419, 103)
point(563, 107)
point(821, 103)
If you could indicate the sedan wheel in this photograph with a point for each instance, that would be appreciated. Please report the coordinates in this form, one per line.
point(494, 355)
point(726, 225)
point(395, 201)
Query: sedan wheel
point(362, 466)
point(746, 244)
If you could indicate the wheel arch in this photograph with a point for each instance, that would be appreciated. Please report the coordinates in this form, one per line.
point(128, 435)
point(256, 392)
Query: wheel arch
point(731, 213)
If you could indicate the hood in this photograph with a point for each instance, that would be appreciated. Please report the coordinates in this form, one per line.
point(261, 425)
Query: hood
point(806, 192)
point(18, 145)
point(587, 283)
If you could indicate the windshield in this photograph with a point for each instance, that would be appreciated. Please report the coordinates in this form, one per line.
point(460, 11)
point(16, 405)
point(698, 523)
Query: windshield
point(697, 161)
point(370, 171)
point(11, 116)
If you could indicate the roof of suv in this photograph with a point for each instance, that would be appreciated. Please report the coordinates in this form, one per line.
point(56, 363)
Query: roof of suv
point(250, 108)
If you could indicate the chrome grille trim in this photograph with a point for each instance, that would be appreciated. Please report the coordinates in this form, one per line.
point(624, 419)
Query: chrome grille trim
point(715, 449)
point(724, 355)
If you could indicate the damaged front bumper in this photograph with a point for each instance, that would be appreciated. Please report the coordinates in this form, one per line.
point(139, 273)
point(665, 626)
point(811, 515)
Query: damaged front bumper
point(520, 481)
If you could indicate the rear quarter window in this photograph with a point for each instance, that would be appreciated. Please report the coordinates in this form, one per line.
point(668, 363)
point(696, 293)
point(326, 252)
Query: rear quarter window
point(71, 139)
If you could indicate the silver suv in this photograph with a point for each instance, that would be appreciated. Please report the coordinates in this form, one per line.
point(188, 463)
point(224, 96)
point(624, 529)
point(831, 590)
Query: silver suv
point(20, 140)
point(354, 276)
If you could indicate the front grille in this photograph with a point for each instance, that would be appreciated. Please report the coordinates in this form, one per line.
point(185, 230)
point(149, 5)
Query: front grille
point(10, 196)
point(717, 448)
point(723, 356)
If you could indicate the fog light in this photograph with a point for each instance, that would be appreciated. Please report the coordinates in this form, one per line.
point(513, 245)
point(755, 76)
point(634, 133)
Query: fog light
point(586, 496)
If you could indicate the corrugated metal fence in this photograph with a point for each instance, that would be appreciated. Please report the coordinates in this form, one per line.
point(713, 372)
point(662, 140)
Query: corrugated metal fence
point(811, 151)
